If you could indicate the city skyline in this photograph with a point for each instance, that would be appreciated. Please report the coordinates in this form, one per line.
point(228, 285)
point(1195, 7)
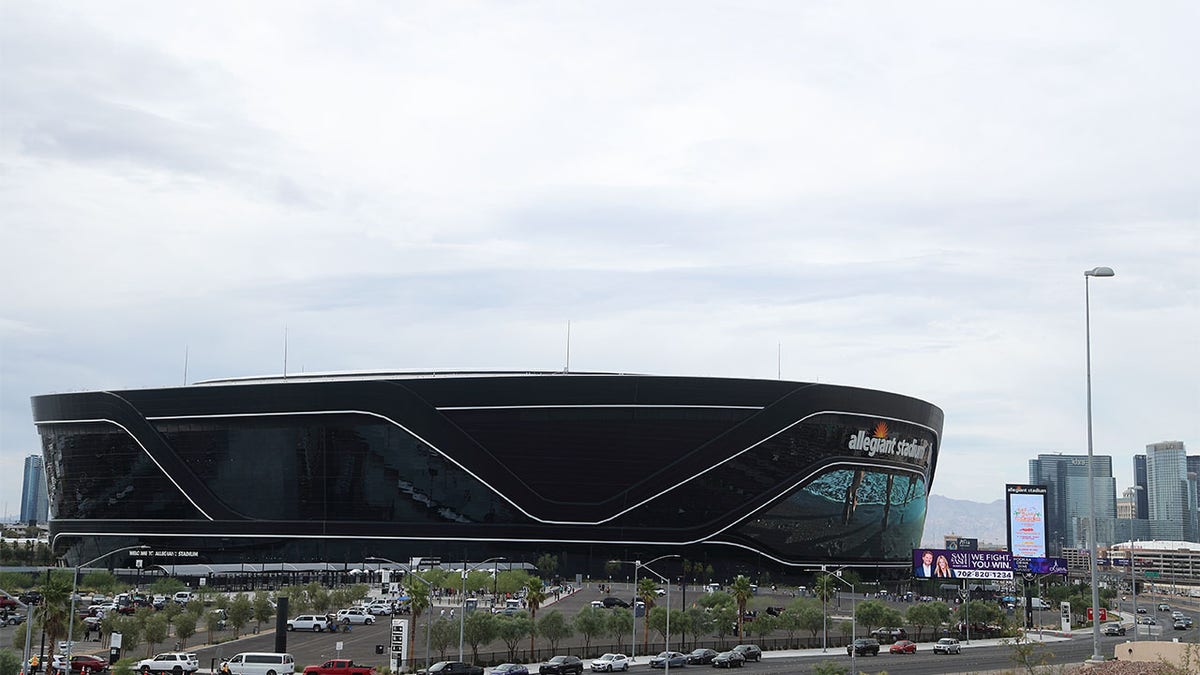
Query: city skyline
point(898, 198)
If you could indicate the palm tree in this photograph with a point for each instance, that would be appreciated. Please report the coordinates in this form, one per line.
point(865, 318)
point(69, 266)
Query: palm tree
point(646, 593)
point(418, 602)
point(55, 610)
point(741, 592)
point(534, 597)
point(825, 586)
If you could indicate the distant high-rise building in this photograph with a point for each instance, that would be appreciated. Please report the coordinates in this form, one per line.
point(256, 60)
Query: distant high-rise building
point(1139, 479)
point(35, 505)
point(1167, 488)
point(1067, 506)
point(1193, 470)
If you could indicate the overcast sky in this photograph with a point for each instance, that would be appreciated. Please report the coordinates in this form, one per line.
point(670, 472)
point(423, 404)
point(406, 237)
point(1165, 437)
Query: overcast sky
point(899, 196)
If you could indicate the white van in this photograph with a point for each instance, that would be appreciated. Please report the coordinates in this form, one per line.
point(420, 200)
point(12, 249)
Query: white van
point(260, 663)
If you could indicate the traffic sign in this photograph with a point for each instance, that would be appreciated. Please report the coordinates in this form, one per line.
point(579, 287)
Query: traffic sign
point(1103, 614)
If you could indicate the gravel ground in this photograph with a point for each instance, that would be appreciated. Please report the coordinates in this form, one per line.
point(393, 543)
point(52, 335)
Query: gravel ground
point(1106, 668)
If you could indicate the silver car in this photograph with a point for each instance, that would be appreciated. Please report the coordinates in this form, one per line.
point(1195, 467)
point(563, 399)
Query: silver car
point(947, 646)
point(610, 663)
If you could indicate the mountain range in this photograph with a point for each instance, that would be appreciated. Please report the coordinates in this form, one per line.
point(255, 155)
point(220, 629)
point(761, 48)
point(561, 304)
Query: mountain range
point(965, 518)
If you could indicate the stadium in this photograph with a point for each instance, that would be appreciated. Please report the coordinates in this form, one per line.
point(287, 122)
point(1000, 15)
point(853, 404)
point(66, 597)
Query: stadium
point(589, 467)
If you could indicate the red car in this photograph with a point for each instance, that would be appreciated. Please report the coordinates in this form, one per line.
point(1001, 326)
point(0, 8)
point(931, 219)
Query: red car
point(79, 662)
point(903, 647)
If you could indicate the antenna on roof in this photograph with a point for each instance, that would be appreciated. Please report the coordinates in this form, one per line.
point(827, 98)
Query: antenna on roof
point(185, 364)
point(779, 361)
point(285, 336)
point(567, 369)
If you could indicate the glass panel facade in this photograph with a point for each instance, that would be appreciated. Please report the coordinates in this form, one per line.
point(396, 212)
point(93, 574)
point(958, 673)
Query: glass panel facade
point(846, 514)
point(331, 467)
point(97, 470)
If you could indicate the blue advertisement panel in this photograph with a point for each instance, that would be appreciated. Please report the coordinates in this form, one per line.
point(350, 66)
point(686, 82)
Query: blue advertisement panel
point(937, 563)
point(1040, 565)
point(1026, 520)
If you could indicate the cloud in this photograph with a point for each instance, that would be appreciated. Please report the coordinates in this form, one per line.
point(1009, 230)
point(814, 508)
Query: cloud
point(897, 198)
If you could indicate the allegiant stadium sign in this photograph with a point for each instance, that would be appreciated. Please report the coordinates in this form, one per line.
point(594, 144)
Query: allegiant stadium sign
point(878, 443)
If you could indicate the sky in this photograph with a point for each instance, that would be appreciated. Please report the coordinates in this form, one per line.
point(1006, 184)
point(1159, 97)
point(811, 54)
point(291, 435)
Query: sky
point(898, 196)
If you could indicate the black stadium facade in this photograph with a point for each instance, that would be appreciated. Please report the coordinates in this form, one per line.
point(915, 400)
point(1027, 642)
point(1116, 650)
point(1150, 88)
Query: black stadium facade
point(589, 467)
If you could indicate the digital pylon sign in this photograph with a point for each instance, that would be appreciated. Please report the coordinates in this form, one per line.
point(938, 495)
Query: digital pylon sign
point(1026, 520)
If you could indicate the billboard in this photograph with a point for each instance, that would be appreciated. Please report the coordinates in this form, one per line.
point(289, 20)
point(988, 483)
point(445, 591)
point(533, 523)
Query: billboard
point(941, 563)
point(1026, 520)
point(1040, 565)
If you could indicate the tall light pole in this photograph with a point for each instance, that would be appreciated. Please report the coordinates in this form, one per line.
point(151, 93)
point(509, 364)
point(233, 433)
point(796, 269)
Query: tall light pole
point(638, 564)
point(428, 610)
point(462, 617)
point(837, 574)
point(1097, 657)
point(667, 582)
point(75, 587)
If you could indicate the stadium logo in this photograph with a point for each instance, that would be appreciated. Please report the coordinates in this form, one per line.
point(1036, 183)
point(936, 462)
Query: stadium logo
point(878, 443)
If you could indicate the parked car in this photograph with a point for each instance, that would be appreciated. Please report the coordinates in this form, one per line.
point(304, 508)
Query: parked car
point(887, 635)
point(562, 665)
point(598, 604)
point(355, 616)
point(674, 659)
point(728, 660)
point(175, 663)
point(947, 646)
point(701, 657)
point(262, 663)
point(903, 647)
point(1114, 629)
point(78, 663)
point(379, 608)
point(30, 598)
point(313, 622)
point(611, 602)
point(863, 647)
point(510, 669)
point(453, 668)
point(610, 662)
point(749, 652)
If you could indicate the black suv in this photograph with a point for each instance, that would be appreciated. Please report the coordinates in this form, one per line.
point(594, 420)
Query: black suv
point(750, 652)
point(611, 602)
point(863, 647)
point(30, 598)
point(561, 665)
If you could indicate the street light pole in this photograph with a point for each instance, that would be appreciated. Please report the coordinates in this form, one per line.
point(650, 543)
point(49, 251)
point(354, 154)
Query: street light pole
point(637, 564)
point(1097, 657)
point(853, 619)
point(428, 610)
point(462, 617)
point(666, 641)
point(75, 588)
